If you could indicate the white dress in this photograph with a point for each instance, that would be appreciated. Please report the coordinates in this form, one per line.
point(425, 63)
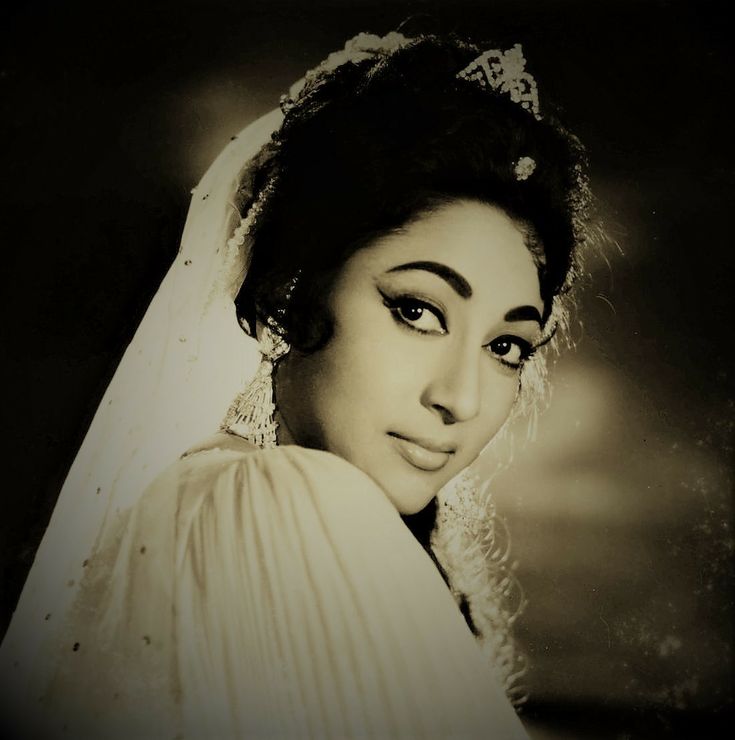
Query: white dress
point(266, 594)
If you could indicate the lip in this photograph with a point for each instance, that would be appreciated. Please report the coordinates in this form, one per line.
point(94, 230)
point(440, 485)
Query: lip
point(422, 454)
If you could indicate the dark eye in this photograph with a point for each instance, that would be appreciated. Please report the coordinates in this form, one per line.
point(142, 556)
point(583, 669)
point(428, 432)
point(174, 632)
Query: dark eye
point(511, 351)
point(411, 311)
point(416, 314)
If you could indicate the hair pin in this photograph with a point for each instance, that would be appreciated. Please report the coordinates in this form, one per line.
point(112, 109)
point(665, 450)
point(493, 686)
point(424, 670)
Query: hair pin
point(524, 168)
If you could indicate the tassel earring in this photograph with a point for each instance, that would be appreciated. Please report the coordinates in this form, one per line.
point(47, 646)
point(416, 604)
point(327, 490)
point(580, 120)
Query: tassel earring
point(251, 415)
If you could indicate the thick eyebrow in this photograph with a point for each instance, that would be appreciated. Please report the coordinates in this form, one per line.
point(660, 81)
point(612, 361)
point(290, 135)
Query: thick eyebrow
point(454, 279)
point(524, 313)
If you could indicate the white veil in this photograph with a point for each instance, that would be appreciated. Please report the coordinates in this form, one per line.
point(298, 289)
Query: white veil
point(187, 361)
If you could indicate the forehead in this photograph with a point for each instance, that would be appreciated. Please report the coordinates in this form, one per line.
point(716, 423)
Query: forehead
point(479, 241)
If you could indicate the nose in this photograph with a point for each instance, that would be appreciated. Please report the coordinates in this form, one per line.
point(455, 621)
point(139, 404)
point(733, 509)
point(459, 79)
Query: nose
point(453, 388)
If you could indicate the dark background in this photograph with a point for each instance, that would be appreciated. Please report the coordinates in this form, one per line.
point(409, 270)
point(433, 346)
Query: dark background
point(621, 512)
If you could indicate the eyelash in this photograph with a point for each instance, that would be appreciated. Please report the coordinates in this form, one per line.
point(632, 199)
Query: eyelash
point(398, 303)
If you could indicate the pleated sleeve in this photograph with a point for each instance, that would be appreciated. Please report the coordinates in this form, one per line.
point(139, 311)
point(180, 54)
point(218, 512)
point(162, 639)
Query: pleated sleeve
point(270, 594)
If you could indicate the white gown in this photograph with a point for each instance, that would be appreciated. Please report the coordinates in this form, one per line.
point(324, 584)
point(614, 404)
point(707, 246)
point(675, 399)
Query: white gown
point(265, 594)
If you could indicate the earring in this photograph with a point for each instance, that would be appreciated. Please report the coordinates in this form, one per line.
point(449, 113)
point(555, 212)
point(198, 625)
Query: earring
point(251, 415)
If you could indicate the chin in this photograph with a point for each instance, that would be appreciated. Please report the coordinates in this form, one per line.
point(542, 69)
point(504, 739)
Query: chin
point(409, 498)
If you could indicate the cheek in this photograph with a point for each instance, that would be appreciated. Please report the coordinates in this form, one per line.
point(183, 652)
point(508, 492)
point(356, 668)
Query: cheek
point(499, 400)
point(362, 373)
point(358, 385)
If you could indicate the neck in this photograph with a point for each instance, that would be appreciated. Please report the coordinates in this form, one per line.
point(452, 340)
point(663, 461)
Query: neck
point(283, 433)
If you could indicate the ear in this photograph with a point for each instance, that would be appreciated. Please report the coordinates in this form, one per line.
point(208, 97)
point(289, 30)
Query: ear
point(260, 328)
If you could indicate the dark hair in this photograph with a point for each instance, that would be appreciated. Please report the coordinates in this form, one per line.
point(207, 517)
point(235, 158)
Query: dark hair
point(370, 145)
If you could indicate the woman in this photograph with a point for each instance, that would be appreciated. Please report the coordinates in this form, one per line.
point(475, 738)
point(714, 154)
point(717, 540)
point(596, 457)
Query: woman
point(406, 230)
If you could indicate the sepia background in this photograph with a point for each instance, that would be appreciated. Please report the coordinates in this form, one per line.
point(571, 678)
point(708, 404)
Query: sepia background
point(620, 510)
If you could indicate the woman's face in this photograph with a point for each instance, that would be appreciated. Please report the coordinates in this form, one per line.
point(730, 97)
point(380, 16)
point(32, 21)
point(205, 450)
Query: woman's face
point(430, 326)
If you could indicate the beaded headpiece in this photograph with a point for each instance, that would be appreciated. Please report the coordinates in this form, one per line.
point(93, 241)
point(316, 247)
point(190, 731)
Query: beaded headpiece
point(504, 71)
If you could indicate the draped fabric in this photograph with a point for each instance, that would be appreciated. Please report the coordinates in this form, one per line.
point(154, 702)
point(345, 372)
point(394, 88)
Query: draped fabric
point(263, 593)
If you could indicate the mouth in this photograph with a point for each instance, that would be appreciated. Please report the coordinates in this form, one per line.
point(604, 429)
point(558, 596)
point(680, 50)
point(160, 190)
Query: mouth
point(422, 454)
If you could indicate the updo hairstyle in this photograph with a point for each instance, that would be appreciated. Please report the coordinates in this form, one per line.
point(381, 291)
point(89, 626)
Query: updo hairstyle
point(369, 146)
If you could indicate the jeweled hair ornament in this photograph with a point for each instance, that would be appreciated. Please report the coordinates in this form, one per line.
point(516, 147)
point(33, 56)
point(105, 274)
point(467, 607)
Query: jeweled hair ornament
point(504, 71)
point(524, 168)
